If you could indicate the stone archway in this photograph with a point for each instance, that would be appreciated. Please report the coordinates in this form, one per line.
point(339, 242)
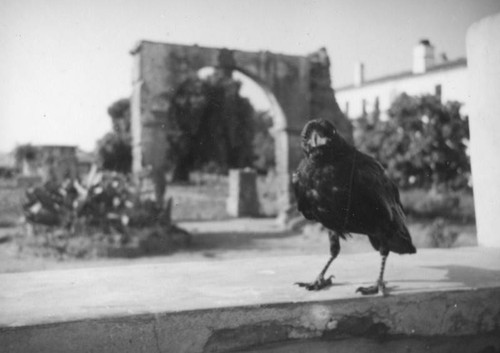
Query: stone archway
point(299, 88)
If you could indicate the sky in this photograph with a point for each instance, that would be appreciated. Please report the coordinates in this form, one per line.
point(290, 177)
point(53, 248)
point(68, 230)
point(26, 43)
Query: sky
point(63, 62)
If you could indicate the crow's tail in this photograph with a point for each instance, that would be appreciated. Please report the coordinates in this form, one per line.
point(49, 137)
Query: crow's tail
point(400, 241)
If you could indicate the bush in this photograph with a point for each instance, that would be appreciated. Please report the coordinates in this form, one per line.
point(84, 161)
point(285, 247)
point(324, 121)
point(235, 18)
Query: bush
point(440, 235)
point(72, 221)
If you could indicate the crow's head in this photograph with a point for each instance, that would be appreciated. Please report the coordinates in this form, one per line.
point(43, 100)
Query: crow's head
point(320, 136)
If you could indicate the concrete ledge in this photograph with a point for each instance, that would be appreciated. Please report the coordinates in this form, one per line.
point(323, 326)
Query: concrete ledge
point(438, 297)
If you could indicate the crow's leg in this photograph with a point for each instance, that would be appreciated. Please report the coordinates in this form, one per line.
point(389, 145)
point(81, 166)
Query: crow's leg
point(322, 282)
point(379, 284)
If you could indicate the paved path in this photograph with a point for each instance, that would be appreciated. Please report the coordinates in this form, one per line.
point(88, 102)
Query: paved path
point(64, 295)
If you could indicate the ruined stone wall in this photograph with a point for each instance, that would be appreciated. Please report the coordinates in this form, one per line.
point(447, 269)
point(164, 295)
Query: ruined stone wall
point(160, 68)
point(298, 87)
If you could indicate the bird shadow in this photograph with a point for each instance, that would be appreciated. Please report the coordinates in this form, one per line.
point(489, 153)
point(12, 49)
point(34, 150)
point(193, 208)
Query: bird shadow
point(468, 276)
point(326, 287)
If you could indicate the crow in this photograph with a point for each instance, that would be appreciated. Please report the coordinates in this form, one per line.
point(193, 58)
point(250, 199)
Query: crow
point(347, 192)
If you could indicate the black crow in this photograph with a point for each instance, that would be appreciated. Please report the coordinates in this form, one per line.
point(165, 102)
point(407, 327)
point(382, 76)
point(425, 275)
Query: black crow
point(347, 192)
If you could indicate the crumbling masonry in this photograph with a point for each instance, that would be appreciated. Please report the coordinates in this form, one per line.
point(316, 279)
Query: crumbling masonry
point(299, 89)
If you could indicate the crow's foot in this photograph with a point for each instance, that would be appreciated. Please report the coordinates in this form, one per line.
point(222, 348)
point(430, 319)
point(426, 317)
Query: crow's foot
point(320, 283)
point(379, 286)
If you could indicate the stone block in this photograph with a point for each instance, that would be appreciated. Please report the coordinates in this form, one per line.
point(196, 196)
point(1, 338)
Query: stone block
point(243, 200)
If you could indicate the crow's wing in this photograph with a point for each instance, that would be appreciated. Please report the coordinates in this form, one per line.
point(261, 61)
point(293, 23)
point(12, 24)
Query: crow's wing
point(300, 189)
point(377, 188)
point(383, 195)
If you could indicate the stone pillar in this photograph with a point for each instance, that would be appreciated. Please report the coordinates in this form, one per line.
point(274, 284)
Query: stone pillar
point(243, 199)
point(136, 128)
point(483, 61)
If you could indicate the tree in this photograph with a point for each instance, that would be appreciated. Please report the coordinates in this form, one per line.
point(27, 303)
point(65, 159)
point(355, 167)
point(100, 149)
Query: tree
point(211, 126)
point(115, 153)
point(422, 144)
point(115, 148)
point(119, 112)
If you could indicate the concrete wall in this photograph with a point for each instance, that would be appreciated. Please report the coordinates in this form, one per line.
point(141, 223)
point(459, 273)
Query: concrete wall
point(440, 301)
point(483, 52)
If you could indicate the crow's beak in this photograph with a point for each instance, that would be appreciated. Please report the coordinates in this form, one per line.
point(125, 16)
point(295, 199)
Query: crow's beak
point(315, 140)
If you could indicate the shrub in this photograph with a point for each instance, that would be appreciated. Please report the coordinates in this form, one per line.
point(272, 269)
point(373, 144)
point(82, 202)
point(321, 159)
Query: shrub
point(72, 221)
point(423, 143)
point(115, 153)
point(440, 235)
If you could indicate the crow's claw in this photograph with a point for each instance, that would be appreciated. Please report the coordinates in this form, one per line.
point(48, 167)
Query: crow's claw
point(379, 286)
point(319, 284)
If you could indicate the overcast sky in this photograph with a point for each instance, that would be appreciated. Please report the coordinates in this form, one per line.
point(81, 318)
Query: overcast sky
point(63, 63)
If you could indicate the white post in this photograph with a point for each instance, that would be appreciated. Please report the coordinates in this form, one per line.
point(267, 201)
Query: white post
point(483, 61)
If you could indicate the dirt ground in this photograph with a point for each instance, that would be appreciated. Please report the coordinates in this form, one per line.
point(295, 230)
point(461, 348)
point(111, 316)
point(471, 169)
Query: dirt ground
point(219, 241)
point(200, 209)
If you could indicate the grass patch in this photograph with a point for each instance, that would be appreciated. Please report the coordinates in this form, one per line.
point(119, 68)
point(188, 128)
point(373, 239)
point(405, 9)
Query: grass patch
point(453, 206)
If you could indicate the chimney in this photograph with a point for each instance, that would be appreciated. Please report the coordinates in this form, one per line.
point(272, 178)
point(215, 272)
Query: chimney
point(359, 74)
point(423, 56)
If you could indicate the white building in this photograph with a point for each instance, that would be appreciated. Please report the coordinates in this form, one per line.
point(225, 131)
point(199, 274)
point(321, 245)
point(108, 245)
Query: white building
point(446, 78)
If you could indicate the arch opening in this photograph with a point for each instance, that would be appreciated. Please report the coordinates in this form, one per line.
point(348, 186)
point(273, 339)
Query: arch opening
point(198, 111)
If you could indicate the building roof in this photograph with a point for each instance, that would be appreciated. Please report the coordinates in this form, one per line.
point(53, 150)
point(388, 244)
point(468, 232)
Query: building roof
point(448, 65)
point(85, 157)
point(49, 147)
